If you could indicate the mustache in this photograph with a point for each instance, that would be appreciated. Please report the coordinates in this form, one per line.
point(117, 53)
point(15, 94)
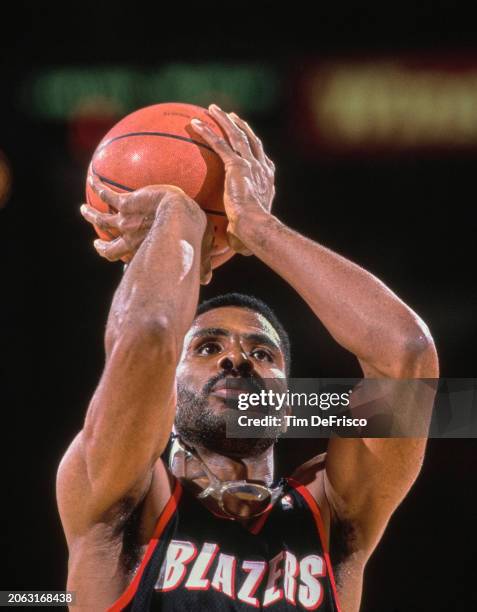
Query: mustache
point(254, 383)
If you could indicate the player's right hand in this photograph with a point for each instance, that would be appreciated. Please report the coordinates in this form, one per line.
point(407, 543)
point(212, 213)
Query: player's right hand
point(133, 218)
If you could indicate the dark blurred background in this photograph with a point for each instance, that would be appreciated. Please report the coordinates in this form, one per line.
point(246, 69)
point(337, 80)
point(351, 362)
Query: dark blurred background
point(370, 115)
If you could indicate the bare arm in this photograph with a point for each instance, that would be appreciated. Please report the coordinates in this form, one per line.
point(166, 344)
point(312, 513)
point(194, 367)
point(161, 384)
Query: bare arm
point(365, 479)
point(130, 416)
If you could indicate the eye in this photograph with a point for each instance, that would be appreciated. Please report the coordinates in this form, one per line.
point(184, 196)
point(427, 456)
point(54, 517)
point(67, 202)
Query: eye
point(261, 355)
point(209, 348)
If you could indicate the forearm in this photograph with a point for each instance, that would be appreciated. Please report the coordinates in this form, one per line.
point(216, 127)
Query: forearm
point(360, 312)
point(161, 284)
point(131, 413)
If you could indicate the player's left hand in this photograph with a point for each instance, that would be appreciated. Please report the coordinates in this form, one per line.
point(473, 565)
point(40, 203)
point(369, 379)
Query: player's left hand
point(249, 173)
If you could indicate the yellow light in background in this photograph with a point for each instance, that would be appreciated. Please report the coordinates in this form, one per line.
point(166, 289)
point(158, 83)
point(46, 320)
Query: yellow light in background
point(391, 105)
point(5, 180)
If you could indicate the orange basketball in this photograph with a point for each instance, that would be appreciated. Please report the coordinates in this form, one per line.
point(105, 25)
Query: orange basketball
point(156, 145)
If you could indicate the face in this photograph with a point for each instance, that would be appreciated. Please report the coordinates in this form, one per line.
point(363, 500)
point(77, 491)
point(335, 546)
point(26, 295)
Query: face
point(230, 346)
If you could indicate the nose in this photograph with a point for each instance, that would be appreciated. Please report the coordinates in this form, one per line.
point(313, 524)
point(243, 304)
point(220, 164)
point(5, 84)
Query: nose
point(239, 364)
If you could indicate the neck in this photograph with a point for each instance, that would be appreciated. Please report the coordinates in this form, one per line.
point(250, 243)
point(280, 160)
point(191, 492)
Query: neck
point(244, 468)
point(258, 468)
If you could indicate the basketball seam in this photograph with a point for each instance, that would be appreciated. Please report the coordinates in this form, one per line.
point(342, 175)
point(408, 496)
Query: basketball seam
point(104, 179)
point(162, 134)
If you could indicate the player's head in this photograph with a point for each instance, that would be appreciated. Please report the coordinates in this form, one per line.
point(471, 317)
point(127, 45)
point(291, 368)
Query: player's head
point(233, 336)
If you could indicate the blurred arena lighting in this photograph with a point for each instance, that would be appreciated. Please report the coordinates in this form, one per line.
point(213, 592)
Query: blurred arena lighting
point(55, 93)
point(400, 104)
point(5, 179)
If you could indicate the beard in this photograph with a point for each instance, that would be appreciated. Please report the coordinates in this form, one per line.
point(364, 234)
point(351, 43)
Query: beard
point(199, 424)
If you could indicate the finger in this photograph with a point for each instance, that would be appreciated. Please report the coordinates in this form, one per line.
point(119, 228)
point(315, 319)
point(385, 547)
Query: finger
point(113, 198)
point(255, 142)
point(237, 138)
point(112, 251)
point(105, 221)
point(217, 143)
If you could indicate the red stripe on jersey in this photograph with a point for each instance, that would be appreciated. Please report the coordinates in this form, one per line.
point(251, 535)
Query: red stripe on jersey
point(315, 510)
point(164, 518)
point(256, 527)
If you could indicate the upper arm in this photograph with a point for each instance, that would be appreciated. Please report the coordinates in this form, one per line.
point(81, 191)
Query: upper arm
point(78, 506)
point(365, 479)
point(108, 467)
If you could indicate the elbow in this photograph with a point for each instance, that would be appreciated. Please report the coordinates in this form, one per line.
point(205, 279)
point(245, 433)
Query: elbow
point(154, 327)
point(418, 356)
point(154, 336)
point(158, 332)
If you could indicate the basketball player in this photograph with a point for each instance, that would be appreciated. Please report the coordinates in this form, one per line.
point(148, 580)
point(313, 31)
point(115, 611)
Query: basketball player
point(215, 528)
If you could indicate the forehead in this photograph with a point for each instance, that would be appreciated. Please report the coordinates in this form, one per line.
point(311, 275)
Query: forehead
point(235, 319)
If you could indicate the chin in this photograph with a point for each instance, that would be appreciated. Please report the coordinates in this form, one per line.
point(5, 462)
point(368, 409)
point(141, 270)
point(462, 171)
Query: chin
point(222, 405)
point(245, 448)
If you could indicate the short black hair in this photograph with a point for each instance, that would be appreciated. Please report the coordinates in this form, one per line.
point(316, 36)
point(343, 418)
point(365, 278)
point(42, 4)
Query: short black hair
point(257, 305)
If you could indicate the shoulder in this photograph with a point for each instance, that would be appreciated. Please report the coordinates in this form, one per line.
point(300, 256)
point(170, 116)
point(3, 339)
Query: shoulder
point(308, 472)
point(161, 493)
point(338, 535)
point(311, 476)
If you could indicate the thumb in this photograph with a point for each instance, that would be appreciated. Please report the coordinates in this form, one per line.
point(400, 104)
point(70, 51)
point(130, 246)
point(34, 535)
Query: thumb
point(237, 245)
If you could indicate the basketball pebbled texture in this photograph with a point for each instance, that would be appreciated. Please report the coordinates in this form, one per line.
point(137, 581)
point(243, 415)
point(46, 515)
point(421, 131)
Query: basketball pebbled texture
point(156, 145)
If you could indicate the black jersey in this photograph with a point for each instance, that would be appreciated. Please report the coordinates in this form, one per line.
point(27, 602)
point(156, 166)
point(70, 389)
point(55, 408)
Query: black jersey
point(198, 561)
